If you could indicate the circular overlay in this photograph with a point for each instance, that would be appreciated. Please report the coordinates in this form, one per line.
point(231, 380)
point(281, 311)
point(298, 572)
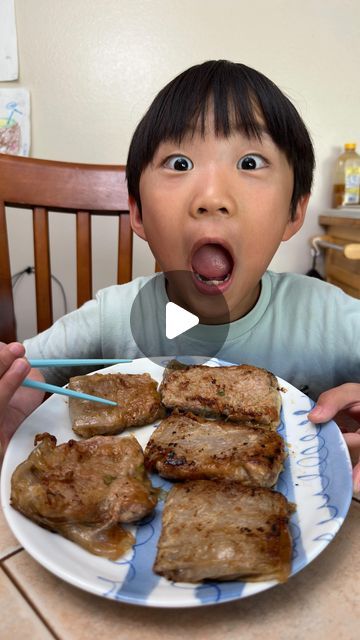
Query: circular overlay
point(151, 324)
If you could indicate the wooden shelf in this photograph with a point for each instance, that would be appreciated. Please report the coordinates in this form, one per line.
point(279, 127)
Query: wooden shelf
point(343, 229)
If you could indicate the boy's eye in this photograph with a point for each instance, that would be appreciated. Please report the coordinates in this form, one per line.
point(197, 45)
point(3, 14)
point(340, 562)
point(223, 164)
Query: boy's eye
point(178, 163)
point(252, 162)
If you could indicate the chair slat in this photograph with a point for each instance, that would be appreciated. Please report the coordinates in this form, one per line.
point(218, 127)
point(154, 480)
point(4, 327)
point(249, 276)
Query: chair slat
point(7, 315)
point(64, 185)
point(65, 188)
point(125, 248)
point(42, 268)
point(83, 257)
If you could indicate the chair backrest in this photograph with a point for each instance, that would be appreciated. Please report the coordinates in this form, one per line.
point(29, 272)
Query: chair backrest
point(78, 189)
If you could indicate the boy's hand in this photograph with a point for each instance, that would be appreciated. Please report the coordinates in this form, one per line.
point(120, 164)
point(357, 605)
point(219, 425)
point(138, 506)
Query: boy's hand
point(343, 405)
point(16, 402)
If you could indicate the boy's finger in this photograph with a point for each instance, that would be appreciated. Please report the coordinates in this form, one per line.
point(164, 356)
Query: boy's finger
point(9, 353)
point(12, 379)
point(353, 442)
point(16, 348)
point(356, 480)
point(334, 400)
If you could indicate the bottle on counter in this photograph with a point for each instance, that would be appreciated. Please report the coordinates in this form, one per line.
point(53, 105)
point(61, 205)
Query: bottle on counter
point(346, 183)
point(352, 182)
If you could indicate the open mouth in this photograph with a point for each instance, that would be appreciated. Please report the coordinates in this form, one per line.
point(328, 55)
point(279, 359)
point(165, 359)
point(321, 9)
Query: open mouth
point(212, 266)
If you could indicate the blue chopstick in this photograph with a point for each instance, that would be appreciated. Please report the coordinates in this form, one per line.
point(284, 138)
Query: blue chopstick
point(73, 362)
point(51, 388)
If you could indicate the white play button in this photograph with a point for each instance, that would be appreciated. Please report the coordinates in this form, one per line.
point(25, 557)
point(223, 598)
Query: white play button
point(178, 320)
point(163, 330)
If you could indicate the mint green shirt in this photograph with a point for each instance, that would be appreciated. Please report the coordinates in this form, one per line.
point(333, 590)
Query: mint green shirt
point(302, 329)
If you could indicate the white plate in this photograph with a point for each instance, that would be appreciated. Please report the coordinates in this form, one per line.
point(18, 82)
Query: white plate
point(317, 477)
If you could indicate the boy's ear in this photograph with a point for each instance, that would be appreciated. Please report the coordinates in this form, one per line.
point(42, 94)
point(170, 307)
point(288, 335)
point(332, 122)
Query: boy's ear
point(136, 219)
point(296, 222)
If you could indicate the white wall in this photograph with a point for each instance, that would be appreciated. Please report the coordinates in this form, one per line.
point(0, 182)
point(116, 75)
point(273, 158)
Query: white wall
point(93, 66)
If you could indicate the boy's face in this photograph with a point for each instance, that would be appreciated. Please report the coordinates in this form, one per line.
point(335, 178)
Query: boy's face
point(218, 208)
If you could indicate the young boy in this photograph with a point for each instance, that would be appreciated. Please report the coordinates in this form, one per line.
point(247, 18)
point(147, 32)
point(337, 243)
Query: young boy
point(219, 173)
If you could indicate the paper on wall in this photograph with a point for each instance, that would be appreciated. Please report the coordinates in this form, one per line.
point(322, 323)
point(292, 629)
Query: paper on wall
point(15, 121)
point(9, 68)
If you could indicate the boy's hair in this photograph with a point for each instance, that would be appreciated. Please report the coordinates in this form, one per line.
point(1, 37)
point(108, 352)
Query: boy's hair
point(239, 96)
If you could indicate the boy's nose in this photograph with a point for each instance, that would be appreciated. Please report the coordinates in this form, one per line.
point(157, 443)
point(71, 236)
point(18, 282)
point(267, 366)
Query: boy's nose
point(212, 208)
point(212, 196)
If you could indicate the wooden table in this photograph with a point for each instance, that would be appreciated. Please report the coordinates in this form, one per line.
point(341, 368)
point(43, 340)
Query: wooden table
point(322, 602)
point(342, 227)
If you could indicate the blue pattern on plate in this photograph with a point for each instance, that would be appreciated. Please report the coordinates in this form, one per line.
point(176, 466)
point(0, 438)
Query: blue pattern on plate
point(140, 580)
point(317, 462)
point(285, 485)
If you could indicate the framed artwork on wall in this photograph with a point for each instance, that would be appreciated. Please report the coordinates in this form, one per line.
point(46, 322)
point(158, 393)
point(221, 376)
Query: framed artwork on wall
point(15, 121)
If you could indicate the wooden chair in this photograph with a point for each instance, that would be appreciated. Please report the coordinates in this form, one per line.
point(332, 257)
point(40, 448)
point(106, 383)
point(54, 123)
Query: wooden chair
point(78, 189)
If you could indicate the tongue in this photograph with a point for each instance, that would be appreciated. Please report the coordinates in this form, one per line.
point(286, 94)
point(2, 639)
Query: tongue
point(212, 261)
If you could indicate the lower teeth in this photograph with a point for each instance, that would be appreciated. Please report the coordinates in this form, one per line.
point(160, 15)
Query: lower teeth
point(212, 282)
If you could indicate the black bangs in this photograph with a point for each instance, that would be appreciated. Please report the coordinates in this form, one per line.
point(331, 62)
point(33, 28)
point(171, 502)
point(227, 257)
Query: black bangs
point(183, 105)
point(238, 98)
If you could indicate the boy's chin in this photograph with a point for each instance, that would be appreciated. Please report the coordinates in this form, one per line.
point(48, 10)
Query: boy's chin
point(214, 308)
point(210, 316)
point(210, 308)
